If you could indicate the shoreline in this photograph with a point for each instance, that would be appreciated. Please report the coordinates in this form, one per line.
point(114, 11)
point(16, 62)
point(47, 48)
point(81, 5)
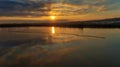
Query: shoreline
point(71, 25)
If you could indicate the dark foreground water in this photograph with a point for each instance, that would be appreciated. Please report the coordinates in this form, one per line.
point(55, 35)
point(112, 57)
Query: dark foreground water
point(59, 47)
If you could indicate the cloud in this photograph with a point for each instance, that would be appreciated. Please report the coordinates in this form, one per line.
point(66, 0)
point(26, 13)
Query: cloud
point(52, 7)
point(69, 9)
point(23, 7)
point(78, 7)
point(102, 8)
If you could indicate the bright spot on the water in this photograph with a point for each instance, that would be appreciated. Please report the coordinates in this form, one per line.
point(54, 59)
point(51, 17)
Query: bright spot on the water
point(53, 30)
point(53, 17)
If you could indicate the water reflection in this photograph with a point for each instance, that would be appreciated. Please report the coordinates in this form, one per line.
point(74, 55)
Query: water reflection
point(58, 47)
point(53, 30)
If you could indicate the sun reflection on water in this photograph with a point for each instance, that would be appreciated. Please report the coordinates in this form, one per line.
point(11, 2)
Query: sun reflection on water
point(53, 30)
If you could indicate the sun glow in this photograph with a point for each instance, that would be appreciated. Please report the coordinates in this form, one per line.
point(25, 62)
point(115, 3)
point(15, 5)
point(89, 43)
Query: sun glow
point(53, 17)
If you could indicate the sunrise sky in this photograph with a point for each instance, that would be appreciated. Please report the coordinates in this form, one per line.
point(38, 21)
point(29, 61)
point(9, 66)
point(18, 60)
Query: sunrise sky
point(60, 9)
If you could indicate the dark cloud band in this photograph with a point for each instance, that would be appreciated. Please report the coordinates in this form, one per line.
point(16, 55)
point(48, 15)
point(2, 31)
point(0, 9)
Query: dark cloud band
point(23, 8)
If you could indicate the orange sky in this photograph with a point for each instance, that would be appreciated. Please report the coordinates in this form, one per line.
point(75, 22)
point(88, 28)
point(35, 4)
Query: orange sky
point(77, 10)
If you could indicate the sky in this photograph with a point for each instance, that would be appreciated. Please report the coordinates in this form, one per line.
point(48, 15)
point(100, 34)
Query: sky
point(61, 9)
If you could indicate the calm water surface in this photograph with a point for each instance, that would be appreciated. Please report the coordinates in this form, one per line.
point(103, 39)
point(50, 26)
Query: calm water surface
point(59, 47)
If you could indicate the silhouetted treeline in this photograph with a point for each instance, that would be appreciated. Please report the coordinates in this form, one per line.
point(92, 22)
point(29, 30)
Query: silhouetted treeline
point(106, 23)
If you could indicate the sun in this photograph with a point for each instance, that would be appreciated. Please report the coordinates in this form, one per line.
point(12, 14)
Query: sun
point(52, 17)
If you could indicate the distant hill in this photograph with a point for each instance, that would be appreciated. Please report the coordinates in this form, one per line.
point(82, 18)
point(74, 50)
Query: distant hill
point(108, 19)
point(112, 22)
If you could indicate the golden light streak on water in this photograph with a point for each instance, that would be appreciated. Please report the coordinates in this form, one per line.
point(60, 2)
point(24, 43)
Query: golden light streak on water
point(53, 30)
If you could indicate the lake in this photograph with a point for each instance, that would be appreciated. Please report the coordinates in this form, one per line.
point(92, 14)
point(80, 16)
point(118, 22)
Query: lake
point(59, 47)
